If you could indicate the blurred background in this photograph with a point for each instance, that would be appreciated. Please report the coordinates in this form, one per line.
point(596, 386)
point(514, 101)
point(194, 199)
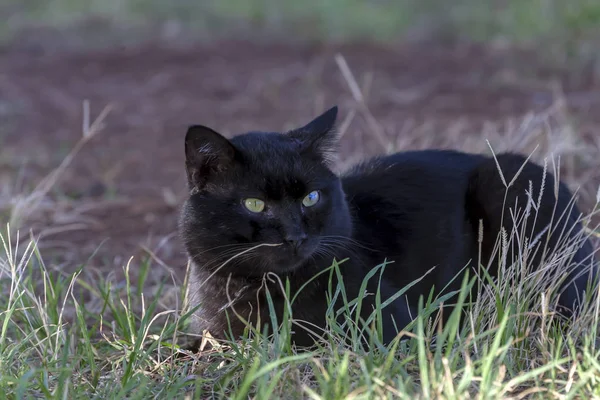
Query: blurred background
point(564, 27)
point(406, 74)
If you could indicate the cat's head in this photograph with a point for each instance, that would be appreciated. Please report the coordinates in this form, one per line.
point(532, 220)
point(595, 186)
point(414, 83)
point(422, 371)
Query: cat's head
point(269, 200)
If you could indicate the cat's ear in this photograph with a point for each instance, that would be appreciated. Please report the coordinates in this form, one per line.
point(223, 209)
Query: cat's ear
point(206, 152)
point(319, 136)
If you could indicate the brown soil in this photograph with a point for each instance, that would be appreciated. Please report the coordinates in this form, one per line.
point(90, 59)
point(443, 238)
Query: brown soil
point(123, 190)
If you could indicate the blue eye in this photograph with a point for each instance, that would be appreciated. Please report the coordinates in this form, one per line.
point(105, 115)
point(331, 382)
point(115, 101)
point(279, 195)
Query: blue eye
point(311, 199)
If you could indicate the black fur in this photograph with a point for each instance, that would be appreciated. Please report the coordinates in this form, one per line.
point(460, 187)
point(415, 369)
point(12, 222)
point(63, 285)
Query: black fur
point(419, 209)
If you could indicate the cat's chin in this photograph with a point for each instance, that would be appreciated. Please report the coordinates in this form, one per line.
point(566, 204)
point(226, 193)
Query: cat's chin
point(285, 259)
point(288, 264)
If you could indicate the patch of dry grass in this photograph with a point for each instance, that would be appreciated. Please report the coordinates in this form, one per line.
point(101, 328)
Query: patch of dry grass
point(547, 135)
point(66, 336)
point(85, 334)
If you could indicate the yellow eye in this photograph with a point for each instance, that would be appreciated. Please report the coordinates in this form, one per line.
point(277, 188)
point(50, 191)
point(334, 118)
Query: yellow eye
point(254, 205)
point(311, 199)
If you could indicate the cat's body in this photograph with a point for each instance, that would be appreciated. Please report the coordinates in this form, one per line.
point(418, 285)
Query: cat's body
point(419, 209)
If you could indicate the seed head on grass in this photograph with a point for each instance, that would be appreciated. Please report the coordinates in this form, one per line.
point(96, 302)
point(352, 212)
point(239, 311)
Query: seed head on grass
point(26, 206)
point(80, 335)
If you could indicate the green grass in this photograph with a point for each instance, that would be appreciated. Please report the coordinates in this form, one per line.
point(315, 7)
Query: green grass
point(87, 335)
point(79, 336)
point(91, 334)
point(94, 334)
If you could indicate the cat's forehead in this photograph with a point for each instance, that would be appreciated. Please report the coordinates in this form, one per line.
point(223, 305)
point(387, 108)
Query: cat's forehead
point(271, 152)
point(273, 165)
point(276, 180)
point(279, 172)
point(264, 143)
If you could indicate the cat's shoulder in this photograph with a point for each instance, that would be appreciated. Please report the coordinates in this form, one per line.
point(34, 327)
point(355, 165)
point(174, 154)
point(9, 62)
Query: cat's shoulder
point(418, 160)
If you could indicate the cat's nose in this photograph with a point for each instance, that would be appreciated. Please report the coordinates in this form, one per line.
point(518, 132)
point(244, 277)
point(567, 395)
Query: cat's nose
point(295, 240)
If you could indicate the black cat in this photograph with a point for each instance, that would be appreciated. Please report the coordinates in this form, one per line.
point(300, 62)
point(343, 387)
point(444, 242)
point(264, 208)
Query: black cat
point(273, 198)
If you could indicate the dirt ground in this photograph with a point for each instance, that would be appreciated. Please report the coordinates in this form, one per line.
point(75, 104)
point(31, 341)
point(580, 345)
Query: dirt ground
point(120, 196)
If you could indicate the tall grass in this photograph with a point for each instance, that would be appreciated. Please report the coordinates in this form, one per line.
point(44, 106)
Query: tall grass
point(83, 335)
point(65, 336)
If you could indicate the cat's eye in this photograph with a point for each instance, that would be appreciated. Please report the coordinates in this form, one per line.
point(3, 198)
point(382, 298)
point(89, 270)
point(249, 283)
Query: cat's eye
point(311, 199)
point(254, 205)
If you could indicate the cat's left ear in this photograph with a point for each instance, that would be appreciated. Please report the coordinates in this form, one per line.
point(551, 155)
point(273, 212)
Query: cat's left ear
point(319, 136)
point(206, 153)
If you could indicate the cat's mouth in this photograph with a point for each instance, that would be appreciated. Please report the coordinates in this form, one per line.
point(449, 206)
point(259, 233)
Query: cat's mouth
point(290, 257)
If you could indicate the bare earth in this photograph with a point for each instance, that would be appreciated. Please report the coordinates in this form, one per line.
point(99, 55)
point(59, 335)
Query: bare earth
point(120, 196)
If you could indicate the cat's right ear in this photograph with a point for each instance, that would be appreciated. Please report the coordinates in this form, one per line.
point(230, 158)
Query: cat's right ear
point(319, 137)
point(206, 152)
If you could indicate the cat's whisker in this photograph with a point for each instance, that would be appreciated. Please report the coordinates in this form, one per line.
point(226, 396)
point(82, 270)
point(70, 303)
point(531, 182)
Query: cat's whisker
point(339, 241)
point(223, 256)
point(348, 240)
point(247, 258)
point(261, 266)
point(332, 246)
point(325, 253)
point(203, 250)
point(236, 256)
point(242, 259)
point(342, 245)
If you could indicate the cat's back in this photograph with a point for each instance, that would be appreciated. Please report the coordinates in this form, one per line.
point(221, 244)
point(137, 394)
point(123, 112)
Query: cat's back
point(406, 204)
point(411, 193)
point(412, 173)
